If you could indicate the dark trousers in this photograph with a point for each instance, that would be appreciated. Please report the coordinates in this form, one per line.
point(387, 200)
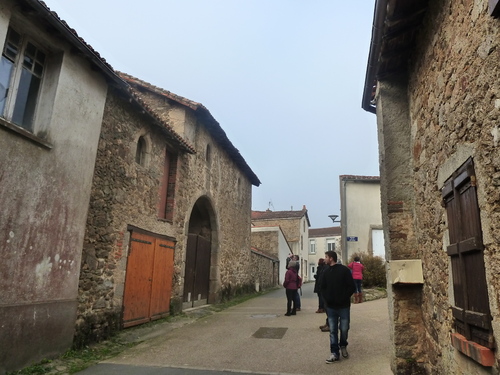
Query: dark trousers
point(291, 295)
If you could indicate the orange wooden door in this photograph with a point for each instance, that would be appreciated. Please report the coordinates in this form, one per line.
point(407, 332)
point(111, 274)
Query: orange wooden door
point(162, 278)
point(138, 280)
point(148, 281)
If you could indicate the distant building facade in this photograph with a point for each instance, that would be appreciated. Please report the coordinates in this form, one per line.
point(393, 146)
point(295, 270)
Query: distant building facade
point(271, 240)
point(295, 225)
point(361, 219)
point(322, 240)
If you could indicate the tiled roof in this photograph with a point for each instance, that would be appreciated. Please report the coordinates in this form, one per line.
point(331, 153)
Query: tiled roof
point(209, 122)
point(325, 232)
point(70, 34)
point(264, 254)
point(276, 215)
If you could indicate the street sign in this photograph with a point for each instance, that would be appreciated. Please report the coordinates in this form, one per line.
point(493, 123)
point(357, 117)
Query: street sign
point(351, 238)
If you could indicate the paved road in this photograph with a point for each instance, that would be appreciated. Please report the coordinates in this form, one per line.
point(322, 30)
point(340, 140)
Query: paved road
point(256, 338)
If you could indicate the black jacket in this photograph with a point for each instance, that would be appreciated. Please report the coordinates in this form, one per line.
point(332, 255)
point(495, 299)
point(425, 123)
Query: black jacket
point(317, 282)
point(337, 286)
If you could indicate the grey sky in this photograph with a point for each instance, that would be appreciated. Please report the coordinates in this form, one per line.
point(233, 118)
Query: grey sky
point(284, 79)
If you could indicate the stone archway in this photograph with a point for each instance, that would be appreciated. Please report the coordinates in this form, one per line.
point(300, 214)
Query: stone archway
point(201, 260)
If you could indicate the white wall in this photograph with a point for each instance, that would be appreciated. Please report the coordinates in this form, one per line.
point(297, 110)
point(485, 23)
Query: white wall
point(361, 214)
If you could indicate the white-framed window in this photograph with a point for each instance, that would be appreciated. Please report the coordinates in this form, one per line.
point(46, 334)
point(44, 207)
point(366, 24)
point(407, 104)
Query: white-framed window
point(21, 72)
point(312, 246)
point(330, 244)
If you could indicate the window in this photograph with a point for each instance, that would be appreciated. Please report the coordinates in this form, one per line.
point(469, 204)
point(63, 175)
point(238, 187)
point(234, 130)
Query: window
point(21, 71)
point(330, 244)
point(312, 246)
point(208, 154)
point(471, 312)
point(140, 154)
point(167, 189)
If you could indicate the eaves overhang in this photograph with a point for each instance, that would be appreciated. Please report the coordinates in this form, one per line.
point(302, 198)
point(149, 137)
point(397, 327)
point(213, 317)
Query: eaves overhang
point(396, 24)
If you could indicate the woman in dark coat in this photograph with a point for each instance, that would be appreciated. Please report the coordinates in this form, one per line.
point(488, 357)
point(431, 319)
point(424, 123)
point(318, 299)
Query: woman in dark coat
point(291, 285)
point(317, 285)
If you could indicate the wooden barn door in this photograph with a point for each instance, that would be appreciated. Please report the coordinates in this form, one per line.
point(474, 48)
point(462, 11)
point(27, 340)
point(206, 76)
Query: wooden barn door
point(197, 271)
point(148, 280)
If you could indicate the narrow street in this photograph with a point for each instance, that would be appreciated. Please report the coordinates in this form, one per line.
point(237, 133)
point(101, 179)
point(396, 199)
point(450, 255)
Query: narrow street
point(255, 337)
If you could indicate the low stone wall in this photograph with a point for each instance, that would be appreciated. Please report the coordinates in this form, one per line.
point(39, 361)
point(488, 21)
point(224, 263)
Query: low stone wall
point(264, 271)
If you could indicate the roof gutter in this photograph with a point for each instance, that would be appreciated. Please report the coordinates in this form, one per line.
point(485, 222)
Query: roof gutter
point(374, 55)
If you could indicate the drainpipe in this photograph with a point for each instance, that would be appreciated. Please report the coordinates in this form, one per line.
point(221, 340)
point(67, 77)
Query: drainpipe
point(374, 55)
point(343, 221)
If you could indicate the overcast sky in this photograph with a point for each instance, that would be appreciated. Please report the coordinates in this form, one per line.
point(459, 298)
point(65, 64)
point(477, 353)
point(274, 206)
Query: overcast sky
point(284, 78)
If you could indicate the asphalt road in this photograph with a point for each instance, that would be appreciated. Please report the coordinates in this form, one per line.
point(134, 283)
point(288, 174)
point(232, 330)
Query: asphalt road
point(256, 338)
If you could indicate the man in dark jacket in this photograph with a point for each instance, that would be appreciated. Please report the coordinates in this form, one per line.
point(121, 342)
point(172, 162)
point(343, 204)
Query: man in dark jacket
point(337, 287)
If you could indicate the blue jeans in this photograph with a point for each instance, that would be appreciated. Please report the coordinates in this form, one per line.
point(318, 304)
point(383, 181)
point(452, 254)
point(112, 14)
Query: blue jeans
point(338, 318)
point(358, 283)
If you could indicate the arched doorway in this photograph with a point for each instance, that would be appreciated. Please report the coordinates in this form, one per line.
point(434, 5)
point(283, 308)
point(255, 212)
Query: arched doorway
point(198, 254)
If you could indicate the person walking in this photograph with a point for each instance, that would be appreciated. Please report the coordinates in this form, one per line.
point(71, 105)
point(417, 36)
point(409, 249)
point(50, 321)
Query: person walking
point(357, 274)
point(291, 284)
point(337, 287)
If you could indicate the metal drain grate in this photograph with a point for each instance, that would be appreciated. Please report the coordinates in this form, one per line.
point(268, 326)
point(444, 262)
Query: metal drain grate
point(270, 333)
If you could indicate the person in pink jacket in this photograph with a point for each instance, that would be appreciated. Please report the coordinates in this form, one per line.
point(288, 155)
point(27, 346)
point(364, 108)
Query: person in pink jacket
point(357, 274)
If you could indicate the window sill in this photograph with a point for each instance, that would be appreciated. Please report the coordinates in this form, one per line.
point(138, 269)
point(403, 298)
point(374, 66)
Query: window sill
point(170, 221)
point(481, 354)
point(24, 133)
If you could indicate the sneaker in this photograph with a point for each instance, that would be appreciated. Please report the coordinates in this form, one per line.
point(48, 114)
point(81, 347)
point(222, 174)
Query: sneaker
point(343, 350)
point(333, 358)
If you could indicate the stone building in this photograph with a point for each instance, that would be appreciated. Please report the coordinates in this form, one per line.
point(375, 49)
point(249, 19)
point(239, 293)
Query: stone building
point(53, 89)
point(295, 225)
point(361, 220)
point(433, 81)
point(272, 240)
point(322, 240)
point(265, 269)
point(169, 219)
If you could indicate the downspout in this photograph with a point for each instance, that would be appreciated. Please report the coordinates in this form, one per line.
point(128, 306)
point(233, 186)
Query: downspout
point(343, 221)
point(374, 54)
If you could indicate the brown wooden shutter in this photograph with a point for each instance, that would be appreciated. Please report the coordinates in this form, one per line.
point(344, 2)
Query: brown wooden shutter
point(471, 310)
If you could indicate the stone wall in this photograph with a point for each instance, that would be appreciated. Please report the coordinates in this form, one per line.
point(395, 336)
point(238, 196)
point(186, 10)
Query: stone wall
point(454, 107)
point(264, 271)
point(125, 194)
point(267, 241)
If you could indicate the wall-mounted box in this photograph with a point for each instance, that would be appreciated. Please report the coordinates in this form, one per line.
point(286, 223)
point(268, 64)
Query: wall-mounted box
point(407, 271)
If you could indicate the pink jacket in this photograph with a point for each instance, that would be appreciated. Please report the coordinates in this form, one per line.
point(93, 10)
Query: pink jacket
point(357, 270)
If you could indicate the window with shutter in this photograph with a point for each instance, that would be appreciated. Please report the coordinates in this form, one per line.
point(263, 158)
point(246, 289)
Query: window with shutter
point(472, 317)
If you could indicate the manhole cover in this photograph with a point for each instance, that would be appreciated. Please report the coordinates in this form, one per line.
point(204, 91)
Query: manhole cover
point(270, 333)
